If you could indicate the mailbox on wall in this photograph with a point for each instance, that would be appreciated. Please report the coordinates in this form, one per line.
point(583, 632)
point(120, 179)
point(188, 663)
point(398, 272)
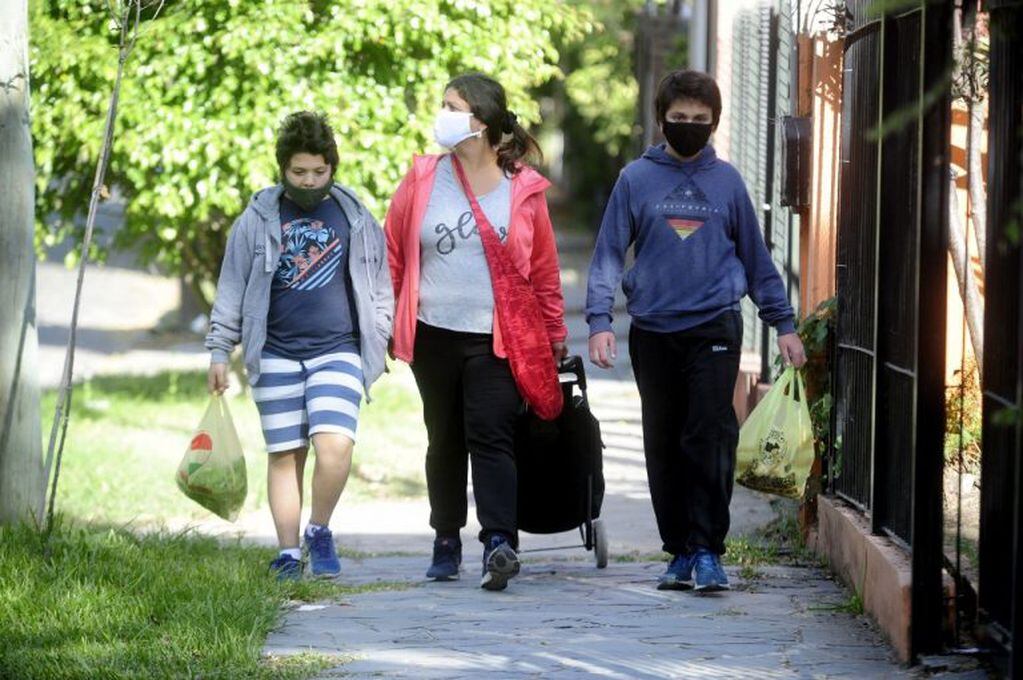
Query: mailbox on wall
point(796, 134)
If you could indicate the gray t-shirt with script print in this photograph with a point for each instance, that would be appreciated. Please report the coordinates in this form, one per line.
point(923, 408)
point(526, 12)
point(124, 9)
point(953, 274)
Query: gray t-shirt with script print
point(454, 282)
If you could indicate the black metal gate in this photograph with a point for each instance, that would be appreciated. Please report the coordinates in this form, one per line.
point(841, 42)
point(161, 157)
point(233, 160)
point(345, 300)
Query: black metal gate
point(1001, 528)
point(893, 231)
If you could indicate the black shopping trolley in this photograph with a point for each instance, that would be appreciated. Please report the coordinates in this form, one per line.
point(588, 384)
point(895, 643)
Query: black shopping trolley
point(560, 469)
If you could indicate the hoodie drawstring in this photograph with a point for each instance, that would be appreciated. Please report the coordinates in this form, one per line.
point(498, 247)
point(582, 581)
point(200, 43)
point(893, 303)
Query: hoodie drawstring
point(365, 249)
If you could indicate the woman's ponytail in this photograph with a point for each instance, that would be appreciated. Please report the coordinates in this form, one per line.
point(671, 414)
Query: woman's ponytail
point(517, 148)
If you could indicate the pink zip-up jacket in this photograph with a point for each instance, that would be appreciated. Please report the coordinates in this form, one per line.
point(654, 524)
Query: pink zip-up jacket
point(530, 243)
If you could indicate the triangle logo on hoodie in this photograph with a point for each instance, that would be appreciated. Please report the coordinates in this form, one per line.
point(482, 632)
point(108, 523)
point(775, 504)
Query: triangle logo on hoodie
point(683, 227)
point(687, 192)
point(686, 208)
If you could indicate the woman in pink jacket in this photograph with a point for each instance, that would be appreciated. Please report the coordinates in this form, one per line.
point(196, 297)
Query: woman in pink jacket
point(444, 321)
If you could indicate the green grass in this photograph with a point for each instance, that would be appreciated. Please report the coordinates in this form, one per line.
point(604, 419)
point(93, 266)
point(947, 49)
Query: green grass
point(778, 543)
point(127, 435)
point(745, 551)
point(748, 572)
point(109, 604)
point(852, 605)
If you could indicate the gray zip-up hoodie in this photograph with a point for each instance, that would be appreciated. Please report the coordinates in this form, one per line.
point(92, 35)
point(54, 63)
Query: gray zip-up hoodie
point(250, 260)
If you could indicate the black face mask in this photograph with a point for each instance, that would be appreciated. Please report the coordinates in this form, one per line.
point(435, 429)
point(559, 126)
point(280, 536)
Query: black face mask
point(687, 139)
point(307, 199)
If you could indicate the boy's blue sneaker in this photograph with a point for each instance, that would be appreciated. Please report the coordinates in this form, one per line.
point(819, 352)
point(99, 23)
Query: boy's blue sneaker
point(447, 557)
point(500, 563)
point(286, 568)
point(710, 575)
point(323, 561)
point(679, 575)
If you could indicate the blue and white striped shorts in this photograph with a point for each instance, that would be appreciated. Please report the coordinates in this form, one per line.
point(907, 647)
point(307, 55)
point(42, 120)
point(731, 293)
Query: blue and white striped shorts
point(297, 399)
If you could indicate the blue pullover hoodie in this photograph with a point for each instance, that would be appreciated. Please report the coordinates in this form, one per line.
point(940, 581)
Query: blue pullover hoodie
point(698, 247)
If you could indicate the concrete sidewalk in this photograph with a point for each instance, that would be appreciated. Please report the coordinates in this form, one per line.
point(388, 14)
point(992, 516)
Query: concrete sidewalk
point(119, 313)
point(563, 617)
point(569, 619)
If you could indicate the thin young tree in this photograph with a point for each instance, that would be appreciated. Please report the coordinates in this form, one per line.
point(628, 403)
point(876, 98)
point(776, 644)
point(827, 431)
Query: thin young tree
point(970, 84)
point(126, 17)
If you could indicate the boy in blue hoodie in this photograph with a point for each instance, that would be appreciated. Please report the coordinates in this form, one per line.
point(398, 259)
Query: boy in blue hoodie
point(698, 251)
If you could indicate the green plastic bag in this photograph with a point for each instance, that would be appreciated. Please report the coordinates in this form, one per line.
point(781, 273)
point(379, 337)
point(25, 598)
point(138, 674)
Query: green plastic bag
point(212, 472)
point(775, 450)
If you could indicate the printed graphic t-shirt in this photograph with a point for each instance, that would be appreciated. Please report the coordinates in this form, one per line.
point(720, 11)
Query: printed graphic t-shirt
point(454, 281)
point(311, 308)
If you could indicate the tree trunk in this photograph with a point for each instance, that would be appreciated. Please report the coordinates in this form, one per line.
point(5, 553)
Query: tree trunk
point(968, 291)
point(21, 463)
point(975, 179)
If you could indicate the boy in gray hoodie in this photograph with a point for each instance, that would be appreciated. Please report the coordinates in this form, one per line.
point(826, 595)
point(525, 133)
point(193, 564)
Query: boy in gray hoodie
point(305, 288)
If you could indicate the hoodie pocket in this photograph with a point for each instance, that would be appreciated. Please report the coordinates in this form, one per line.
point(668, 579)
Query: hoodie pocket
point(629, 282)
point(253, 339)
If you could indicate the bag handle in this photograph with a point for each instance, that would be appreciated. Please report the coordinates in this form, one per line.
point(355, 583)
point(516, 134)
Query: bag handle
point(481, 218)
point(222, 401)
point(786, 382)
point(800, 396)
point(794, 387)
point(218, 405)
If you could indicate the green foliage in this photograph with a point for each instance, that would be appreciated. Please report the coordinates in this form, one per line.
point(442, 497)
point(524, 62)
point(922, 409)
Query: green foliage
point(601, 83)
point(1011, 230)
point(968, 408)
point(879, 8)
point(780, 542)
point(1009, 416)
point(593, 109)
point(744, 551)
point(209, 81)
point(748, 572)
point(852, 605)
point(110, 604)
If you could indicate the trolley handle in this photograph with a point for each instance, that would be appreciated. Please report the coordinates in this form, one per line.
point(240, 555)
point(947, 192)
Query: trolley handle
point(573, 366)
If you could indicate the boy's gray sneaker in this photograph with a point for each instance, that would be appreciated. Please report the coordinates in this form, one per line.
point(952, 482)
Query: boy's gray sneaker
point(500, 563)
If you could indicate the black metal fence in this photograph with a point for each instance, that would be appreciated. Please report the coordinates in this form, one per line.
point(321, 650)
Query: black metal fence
point(893, 231)
point(856, 260)
point(1001, 527)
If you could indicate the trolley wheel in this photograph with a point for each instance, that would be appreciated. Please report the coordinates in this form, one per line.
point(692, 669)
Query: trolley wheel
point(600, 543)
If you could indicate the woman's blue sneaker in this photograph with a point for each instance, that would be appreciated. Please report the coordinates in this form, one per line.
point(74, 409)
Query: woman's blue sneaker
point(500, 563)
point(710, 575)
point(323, 561)
point(679, 575)
point(286, 568)
point(447, 557)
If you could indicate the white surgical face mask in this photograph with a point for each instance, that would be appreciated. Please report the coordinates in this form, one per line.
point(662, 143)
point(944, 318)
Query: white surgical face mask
point(452, 128)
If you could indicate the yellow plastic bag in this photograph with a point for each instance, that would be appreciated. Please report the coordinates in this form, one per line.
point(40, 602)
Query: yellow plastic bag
point(212, 472)
point(775, 450)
